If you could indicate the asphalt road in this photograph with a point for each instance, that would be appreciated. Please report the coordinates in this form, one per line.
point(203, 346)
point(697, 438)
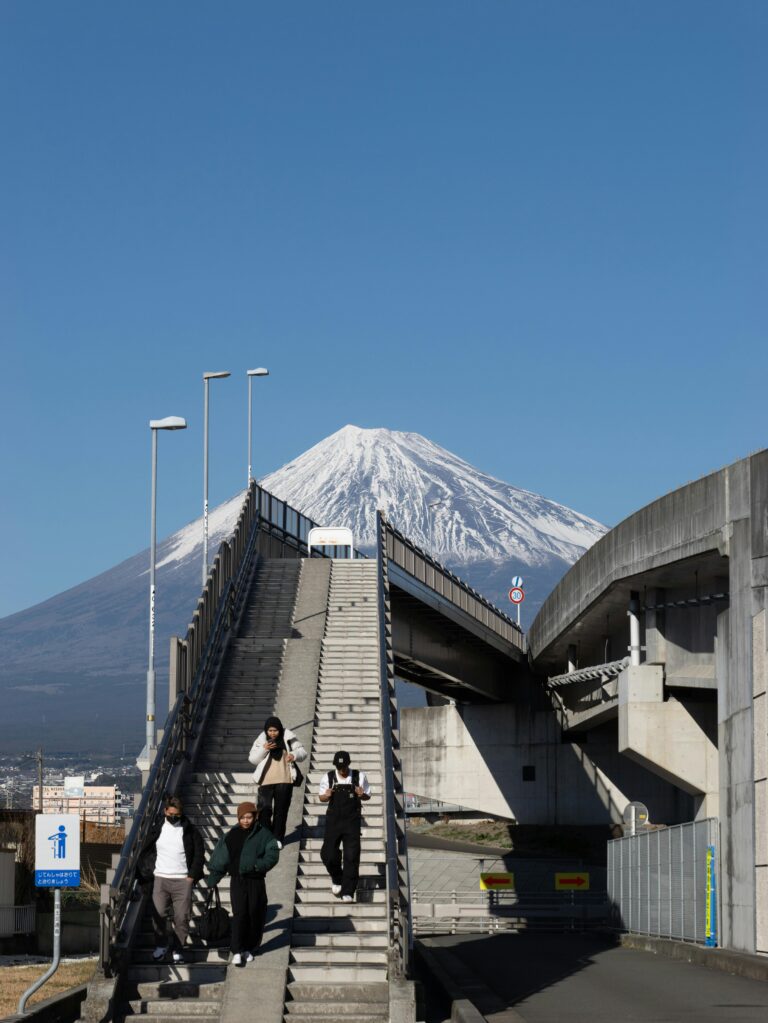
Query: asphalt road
point(586, 979)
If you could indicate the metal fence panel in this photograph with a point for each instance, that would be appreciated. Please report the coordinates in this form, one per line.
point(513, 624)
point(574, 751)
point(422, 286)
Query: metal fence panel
point(658, 881)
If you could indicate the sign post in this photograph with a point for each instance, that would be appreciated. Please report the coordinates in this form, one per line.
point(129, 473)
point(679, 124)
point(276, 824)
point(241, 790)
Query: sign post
point(711, 906)
point(635, 816)
point(517, 595)
point(57, 866)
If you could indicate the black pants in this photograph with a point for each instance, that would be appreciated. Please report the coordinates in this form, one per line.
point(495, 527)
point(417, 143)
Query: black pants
point(341, 853)
point(249, 912)
point(274, 801)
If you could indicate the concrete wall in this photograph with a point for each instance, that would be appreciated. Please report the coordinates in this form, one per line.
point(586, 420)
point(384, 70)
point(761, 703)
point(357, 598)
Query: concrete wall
point(720, 522)
point(474, 755)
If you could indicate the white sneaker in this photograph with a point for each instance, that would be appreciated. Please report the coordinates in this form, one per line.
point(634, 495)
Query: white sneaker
point(237, 960)
point(249, 957)
point(178, 957)
point(336, 889)
point(346, 898)
point(279, 844)
point(160, 952)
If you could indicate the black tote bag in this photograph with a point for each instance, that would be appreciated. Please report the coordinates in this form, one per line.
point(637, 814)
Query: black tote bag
point(213, 926)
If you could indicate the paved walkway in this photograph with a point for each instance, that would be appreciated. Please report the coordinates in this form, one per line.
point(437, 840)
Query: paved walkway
point(577, 978)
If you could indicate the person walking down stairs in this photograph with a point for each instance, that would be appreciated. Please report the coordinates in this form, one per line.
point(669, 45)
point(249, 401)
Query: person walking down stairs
point(344, 791)
point(247, 852)
point(275, 755)
point(172, 860)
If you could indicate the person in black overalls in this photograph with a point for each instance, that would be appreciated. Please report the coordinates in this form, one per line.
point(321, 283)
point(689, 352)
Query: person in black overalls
point(344, 791)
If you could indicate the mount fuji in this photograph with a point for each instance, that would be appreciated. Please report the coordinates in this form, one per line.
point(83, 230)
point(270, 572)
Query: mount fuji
point(73, 669)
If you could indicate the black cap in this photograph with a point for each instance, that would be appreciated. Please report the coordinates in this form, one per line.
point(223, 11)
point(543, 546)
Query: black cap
point(341, 759)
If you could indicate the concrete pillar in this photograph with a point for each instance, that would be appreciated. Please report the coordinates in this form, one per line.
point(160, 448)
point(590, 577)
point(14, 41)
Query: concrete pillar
point(760, 703)
point(655, 623)
point(665, 738)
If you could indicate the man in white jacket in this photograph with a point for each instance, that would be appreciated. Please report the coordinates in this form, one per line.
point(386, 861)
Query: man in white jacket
point(275, 754)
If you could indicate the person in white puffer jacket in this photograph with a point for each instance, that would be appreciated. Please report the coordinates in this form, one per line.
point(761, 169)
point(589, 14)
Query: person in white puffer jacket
point(275, 754)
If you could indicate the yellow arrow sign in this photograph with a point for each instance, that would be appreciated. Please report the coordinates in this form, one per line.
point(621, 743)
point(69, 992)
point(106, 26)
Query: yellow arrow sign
point(494, 879)
point(571, 880)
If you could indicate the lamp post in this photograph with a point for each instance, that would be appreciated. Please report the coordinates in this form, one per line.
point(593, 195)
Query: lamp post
point(260, 372)
point(155, 425)
point(206, 378)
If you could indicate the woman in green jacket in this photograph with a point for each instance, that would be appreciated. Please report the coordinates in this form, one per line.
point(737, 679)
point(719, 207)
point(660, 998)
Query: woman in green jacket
point(247, 852)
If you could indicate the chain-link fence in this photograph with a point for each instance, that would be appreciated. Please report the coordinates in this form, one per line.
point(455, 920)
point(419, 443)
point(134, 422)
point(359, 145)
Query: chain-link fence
point(664, 882)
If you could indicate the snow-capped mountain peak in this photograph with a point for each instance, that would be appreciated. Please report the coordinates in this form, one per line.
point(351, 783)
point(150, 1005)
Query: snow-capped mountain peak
point(437, 499)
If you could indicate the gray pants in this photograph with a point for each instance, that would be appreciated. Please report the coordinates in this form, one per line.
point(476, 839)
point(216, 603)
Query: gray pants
point(178, 892)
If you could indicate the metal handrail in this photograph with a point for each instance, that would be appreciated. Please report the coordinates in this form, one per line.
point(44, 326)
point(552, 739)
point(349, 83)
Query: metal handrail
point(397, 879)
point(428, 570)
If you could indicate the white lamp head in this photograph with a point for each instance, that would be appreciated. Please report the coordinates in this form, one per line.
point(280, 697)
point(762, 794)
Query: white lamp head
point(260, 372)
point(169, 423)
point(215, 376)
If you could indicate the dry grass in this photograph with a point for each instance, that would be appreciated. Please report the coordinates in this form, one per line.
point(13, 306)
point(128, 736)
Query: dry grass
point(14, 981)
point(494, 833)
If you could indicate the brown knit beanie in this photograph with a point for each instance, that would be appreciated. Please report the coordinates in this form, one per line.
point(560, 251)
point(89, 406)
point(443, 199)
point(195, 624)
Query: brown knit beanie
point(246, 808)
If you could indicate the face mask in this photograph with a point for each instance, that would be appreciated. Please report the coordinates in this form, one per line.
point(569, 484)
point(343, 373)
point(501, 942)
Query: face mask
point(175, 821)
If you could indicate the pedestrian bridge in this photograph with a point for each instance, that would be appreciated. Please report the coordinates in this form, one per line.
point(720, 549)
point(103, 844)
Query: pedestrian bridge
point(317, 641)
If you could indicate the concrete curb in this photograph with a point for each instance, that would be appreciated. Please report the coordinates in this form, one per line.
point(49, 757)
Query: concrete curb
point(740, 964)
point(459, 983)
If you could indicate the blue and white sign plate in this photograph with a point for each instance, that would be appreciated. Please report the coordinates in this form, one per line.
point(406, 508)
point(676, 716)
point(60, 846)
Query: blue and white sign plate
point(517, 582)
point(57, 850)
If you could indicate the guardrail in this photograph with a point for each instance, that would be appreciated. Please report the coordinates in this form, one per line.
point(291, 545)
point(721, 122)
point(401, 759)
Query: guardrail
point(417, 807)
point(397, 878)
point(422, 566)
point(192, 681)
point(475, 912)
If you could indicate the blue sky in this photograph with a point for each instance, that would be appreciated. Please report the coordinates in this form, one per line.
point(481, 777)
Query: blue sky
point(533, 231)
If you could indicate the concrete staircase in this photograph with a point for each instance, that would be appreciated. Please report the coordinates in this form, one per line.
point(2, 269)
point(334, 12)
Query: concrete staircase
point(339, 951)
point(245, 695)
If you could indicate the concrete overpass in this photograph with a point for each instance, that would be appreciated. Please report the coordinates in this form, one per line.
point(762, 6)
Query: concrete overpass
point(651, 666)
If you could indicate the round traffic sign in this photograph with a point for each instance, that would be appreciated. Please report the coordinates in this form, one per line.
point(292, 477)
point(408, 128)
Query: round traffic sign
point(516, 595)
point(636, 813)
point(517, 582)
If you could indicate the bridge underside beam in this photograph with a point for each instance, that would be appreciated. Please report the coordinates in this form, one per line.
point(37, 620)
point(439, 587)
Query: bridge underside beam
point(435, 652)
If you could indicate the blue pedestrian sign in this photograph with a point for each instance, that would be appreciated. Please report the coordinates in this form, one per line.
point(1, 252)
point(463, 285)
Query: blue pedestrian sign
point(57, 850)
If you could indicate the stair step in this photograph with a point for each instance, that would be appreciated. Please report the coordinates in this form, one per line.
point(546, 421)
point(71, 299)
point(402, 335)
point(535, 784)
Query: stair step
point(331, 1014)
point(175, 1007)
point(324, 975)
point(351, 910)
point(199, 973)
point(340, 957)
point(353, 940)
point(172, 990)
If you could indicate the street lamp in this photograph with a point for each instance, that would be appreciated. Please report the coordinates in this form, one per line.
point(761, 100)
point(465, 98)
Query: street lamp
point(206, 378)
point(260, 372)
point(155, 425)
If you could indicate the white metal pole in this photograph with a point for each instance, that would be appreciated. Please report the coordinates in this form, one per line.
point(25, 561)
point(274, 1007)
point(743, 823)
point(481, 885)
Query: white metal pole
point(250, 425)
point(56, 954)
point(152, 559)
point(205, 480)
point(634, 629)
